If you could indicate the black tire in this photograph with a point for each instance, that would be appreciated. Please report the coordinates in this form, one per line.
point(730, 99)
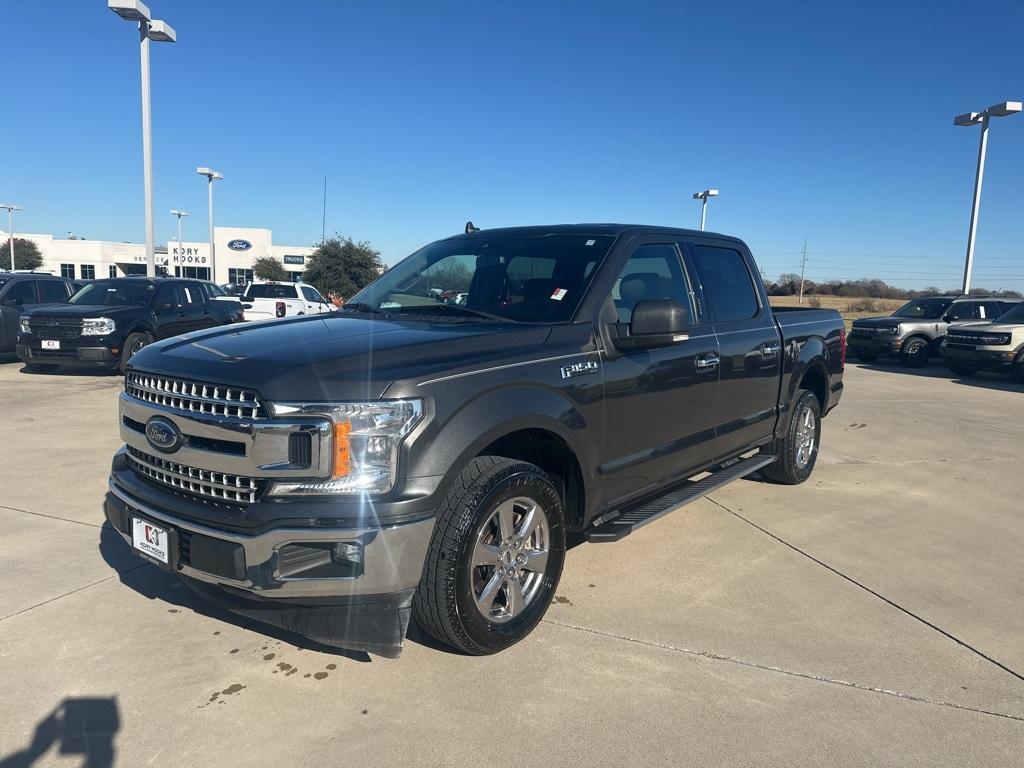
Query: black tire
point(41, 367)
point(445, 602)
point(914, 353)
point(789, 468)
point(964, 371)
point(133, 344)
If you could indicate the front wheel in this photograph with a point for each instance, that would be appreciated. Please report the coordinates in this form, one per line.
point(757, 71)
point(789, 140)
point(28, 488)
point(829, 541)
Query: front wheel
point(495, 557)
point(133, 344)
point(797, 450)
point(914, 353)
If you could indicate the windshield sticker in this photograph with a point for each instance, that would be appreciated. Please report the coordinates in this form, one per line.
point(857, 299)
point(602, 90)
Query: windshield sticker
point(559, 294)
point(591, 242)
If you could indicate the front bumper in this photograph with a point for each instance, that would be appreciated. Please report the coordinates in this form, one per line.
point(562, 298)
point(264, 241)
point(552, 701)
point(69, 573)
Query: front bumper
point(31, 351)
point(253, 574)
point(978, 358)
point(877, 346)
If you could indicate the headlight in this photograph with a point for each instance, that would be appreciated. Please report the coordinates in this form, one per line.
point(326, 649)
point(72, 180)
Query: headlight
point(890, 330)
point(366, 439)
point(97, 326)
point(23, 325)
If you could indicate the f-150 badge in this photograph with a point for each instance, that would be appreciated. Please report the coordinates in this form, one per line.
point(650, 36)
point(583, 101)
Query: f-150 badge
point(579, 369)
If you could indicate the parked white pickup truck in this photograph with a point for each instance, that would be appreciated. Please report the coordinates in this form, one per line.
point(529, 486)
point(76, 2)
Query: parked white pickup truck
point(270, 300)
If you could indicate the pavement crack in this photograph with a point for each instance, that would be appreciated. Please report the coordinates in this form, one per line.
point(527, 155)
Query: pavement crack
point(789, 672)
point(51, 517)
point(870, 591)
point(72, 592)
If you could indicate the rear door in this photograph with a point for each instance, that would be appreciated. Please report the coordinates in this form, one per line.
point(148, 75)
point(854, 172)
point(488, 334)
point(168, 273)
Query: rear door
point(748, 343)
point(195, 306)
point(660, 402)
point(170, 314)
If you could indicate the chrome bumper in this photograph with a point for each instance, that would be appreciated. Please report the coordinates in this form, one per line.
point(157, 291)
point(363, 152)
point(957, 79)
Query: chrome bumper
point(392, 556)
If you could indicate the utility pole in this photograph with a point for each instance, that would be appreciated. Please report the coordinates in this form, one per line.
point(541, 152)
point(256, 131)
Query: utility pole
point(323, 221)
point(803, 268)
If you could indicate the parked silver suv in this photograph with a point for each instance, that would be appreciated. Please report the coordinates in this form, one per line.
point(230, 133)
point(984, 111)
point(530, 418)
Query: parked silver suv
point(915, 331)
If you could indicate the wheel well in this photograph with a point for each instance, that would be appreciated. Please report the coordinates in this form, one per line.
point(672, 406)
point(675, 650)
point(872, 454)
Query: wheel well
point(552, 454)
point(815, 380)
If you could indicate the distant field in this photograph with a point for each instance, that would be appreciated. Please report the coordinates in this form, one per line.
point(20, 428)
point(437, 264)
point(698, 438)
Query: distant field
point(844, 305)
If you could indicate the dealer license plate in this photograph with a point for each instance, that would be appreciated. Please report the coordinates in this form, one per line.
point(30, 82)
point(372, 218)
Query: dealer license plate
point(151, 540)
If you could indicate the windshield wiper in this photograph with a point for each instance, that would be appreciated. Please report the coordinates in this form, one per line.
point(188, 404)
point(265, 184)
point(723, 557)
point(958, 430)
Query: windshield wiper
point(464, 311)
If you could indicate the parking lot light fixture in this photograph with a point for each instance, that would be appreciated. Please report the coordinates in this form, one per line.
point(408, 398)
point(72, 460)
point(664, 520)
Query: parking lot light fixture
point(1003, 109)
point(161, 32)
point(703, 197)
point(211, 176)
point(11, 208)
point(180, 215)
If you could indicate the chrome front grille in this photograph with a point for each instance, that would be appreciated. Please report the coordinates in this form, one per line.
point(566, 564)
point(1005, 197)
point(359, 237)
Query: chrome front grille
point(194, 396)
point(204, 483)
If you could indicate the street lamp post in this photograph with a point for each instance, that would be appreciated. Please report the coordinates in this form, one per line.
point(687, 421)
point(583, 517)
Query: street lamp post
point(211, 176)
point(180, 215)
point(161, 32)
point(980, 118)
point(703, 197)
point(11, 208)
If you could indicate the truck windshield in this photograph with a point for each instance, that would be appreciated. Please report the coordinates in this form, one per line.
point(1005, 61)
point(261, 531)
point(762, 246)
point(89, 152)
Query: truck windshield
point(271, 291)
point(1014, 315)
point(536, 279)
point(115, 293)
point(923, 310)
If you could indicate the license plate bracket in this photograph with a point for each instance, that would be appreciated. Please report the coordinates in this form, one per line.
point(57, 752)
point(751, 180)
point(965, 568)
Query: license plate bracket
point(155, 542)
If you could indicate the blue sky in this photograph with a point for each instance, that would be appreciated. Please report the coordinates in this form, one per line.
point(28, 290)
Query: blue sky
point(830, 122)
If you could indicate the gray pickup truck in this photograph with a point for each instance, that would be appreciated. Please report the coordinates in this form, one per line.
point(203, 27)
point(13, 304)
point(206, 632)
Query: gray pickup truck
point(336, 474)
point(914, 332)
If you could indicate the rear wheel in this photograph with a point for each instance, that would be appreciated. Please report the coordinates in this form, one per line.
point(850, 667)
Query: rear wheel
point(133, 344)
point(797, 450)
point(914, 353)
point(495, 557)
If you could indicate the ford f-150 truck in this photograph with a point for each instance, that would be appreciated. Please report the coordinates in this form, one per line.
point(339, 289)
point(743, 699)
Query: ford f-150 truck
point(336, 475)
point(271, 300)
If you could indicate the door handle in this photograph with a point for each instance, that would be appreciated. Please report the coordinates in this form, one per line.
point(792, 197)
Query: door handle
point(707, 363)
point(770, 350)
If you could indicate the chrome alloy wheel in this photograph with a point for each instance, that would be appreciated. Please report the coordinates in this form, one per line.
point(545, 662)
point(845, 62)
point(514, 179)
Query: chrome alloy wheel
point(806, 437)
point(509, 559)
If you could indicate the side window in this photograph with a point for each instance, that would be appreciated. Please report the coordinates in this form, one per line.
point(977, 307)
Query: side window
point(728, 288)
point(654, 271)
point(964, 310)
point(990, 310)
point(191, 294)
point(168, 294)
point(24, 290)
point(311, 295)
point(52, 291)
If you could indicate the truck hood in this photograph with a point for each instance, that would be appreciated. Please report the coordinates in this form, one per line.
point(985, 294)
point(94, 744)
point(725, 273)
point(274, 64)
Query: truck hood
point(986, 327)
point(876, 322)
point(81, 311)
point(332, 357)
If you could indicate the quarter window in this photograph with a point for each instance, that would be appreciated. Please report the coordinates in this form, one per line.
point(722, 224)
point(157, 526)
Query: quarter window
point(728, 288)
point(654, 271)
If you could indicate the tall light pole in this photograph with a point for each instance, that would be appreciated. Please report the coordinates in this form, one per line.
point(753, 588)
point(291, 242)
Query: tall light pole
point(161, 32)
point(703, 197)
point(980, 118)
point(211, 176)
point(11, 208)
point(180, 215)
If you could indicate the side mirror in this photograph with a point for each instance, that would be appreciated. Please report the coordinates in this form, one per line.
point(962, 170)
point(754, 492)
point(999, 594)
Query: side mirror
point(655, 323)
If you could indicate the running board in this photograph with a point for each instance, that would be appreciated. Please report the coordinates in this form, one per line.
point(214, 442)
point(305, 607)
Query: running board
point(636, 517)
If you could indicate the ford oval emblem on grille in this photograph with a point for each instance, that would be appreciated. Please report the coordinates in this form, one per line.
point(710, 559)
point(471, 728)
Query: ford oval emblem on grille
point(163, 435)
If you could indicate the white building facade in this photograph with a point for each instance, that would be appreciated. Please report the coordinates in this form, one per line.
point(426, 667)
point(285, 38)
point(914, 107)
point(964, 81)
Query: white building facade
point(236, 249)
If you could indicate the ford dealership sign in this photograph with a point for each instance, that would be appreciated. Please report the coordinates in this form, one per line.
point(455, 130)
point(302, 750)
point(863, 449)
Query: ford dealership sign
point(239, 245)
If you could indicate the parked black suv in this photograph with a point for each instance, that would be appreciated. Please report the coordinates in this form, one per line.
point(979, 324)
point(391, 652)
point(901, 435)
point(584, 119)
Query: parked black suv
point(108, 321)
point(20, 291)
point(332, 473)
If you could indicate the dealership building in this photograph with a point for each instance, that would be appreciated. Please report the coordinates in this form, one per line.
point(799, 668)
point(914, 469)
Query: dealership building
point(236, 249)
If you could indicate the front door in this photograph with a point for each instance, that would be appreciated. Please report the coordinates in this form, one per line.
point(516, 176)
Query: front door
point(748, 343)
point(660, 402)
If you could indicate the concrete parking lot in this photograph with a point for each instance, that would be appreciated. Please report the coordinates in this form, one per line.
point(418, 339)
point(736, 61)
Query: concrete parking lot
point(872, 616)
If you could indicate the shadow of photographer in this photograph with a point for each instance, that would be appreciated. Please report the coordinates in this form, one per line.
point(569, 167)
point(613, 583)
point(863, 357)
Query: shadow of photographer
point(76, 726)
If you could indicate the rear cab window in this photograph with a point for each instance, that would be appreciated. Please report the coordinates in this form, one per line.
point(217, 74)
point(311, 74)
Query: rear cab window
point(271, 291)
point(728, 286)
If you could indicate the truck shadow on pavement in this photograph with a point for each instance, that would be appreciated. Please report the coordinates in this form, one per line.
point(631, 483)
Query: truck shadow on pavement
point(157, 585)
point(76, 726)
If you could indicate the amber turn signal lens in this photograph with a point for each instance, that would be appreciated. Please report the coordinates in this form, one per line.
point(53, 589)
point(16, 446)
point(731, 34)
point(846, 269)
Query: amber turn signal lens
point(342, 451)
